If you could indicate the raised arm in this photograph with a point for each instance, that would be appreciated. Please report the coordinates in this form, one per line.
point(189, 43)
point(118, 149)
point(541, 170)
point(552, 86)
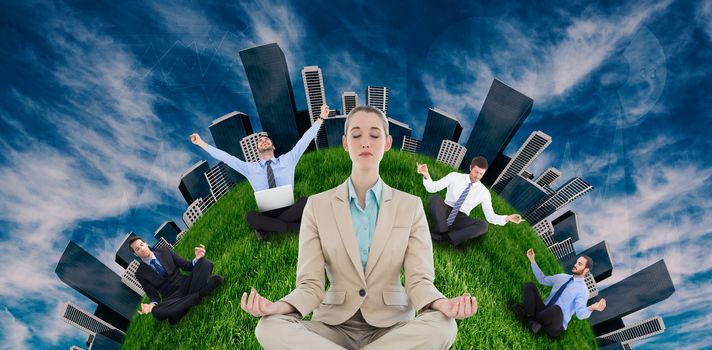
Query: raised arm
point(233, 162)
point(418, 264)
point(540, 276)
point(298, 150)
point(309, 290)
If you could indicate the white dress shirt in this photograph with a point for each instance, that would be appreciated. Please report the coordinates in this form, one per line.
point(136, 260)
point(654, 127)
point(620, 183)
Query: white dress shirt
point(479, 194)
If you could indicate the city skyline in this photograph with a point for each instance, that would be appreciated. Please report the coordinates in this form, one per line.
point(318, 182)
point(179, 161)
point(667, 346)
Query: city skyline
point(112, 112)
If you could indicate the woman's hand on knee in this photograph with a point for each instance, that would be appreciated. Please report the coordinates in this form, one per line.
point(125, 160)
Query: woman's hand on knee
point(258, 306)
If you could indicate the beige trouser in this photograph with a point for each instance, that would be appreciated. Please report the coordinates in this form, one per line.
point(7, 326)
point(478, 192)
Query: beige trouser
point(430, 330)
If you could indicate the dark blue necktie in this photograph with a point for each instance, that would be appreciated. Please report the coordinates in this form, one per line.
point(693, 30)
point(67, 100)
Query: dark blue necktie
point(161, 271)
point(558, 293)
point(270, 175)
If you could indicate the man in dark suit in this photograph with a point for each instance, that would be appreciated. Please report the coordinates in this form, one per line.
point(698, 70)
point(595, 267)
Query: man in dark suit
point(172, 294)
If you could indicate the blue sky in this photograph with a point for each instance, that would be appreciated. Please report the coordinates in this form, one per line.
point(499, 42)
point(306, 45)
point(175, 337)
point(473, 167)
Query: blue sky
point(98, 101)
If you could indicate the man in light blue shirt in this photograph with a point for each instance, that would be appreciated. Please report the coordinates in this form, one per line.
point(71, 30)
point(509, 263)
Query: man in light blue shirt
point(569, 295)
point(270, 172)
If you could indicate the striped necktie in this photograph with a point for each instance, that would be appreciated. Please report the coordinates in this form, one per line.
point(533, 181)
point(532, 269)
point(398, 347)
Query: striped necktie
point(458, 204)
point(558, 293)
point(270, 175)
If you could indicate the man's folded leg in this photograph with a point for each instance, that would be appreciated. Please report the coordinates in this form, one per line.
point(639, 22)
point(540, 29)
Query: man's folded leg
point(290, 331)
point(429, 330)
point(174, 309)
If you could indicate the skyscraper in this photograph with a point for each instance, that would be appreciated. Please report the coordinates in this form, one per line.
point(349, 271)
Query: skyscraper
point(333, 129)
point(639, 331)
point(268, 75)
point(168, 230)
point(102, 342)
point(548, 177)
point(85, 321)
point(495, 168)
point(638, 291)
point(377, 96)
point(398, 130)
point(161, 244)
point(502, 113)
point(566, 226)
point(563, 250)
point(523, 194)
point(124, 255)
point(573, 189)
point(88, 276)
point(130, 280)
point(439, 126)
point(451, 153)
point(545, 231)
point(219, 180)
point(602, 262)
point(590, 284)
point(349, 101)
point(410, 144)
point(527, 153)
point(227, 131)
point(314, 90)
point(194, 212)
point(193, 184)
point(249, 146)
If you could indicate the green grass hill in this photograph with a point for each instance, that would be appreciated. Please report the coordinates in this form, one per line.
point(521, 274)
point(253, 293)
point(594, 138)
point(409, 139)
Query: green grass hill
point(493, 268)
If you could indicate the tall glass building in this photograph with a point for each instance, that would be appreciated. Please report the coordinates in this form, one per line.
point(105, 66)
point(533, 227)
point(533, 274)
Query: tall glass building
point(566, 226)
point(333, 129)
point(88, 276)
point(522, 193)
point(124, 255)
point(169, 231)
point(193, 183)
point(502, 113)
point(571, 190)
point(636, 292)
point(439, 126)
point(349, 101)
point(398, 130)
point(602, 261)
point(314, 91)
point(268, 75)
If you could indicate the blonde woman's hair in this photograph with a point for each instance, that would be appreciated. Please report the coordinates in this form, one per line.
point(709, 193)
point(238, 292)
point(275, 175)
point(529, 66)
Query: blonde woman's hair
point(368, 109)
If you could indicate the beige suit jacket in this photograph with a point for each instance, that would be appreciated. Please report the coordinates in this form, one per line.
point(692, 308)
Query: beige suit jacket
point(327, 240)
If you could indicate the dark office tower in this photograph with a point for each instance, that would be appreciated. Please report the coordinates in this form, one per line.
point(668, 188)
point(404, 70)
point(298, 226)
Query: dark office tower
point(523, 194)
point(639, 331)
point(602, 262)
point(564, 195)
point(548, 177)
point(268, 75)
point(614, 346)
point(88, 276)
point(502, 113)
point(496, 168)
point(527, 153)
point(108, 315)
point(227, 132)
point(193, 184)
point(169, 231)
point(398, 130)
point(439, 126)
point(638, 291)
point(303, 124)
point(349, 101)
point(566, 226)
point(334, 129)
point(314, 90)
point(103, 342)
point(377, 96)
point(124, 255)
point(527, 175)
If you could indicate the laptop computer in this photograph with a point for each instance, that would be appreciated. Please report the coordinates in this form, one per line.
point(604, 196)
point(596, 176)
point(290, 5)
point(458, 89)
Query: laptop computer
point(275, 198)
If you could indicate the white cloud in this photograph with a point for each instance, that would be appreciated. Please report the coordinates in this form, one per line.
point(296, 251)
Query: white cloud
point(545, 70)
point(15, 333)
point(105, 162)
point(704, 17)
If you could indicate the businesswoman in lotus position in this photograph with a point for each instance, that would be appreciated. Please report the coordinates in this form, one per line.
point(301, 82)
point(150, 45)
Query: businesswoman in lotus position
point(363, 233)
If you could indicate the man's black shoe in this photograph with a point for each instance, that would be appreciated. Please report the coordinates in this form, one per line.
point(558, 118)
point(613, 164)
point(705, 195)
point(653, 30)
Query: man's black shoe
point(534, 326)
point(260, 234)
point(214, 282)
point(438, 237)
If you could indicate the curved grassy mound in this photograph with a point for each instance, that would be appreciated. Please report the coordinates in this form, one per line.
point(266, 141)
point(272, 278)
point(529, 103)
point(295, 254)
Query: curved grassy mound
point(493, 268)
